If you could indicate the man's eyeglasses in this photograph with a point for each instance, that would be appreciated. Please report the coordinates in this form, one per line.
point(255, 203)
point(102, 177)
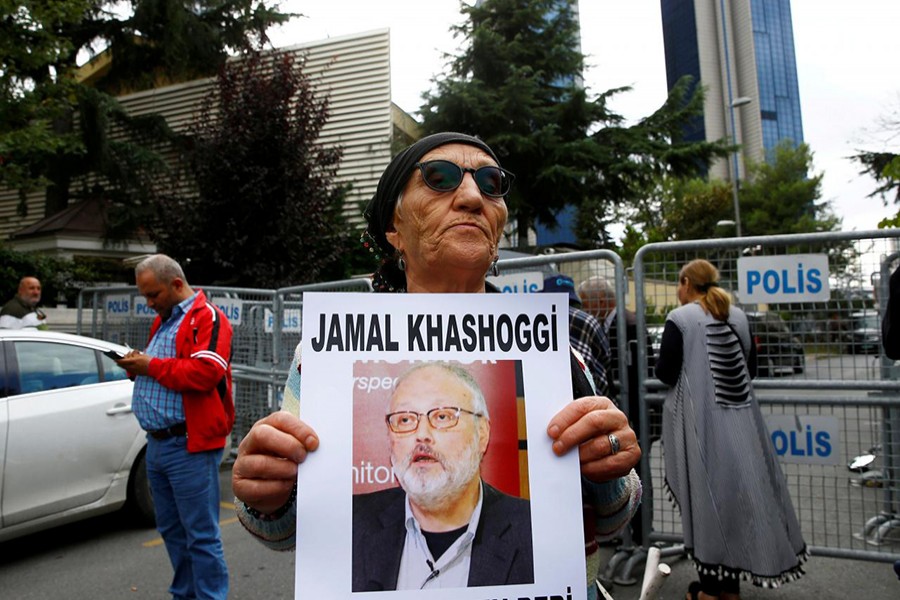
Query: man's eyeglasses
point(446, 176)
point(443, 417)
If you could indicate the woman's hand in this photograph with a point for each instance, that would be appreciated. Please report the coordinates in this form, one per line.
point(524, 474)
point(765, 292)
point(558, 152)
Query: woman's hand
point(266, 467)
point(587, 423)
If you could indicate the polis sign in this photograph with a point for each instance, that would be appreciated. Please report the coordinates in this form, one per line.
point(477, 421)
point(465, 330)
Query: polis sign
point(290, 322)
point(805, 439)
point(232, 308)
point(527, 282)
point(783, 278)
point(118, 305)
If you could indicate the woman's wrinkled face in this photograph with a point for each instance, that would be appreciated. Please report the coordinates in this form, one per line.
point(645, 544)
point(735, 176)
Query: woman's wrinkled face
point(456, 229)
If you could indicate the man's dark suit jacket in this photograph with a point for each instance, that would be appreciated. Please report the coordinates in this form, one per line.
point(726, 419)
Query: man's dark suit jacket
point(501, 551)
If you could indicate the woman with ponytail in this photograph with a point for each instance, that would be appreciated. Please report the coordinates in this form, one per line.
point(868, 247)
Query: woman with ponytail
point(721, 469)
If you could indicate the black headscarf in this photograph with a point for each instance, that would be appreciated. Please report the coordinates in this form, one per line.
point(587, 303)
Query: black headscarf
point(379, 212)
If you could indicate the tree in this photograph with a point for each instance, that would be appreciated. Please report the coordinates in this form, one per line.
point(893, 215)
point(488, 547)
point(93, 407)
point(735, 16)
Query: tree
point(55, 130)
point(693, 208)
point(517, 86)
point(678, 208)
point(61, 278)
point(884, 165)
point(267, 212)
point(649, 168)
point(780, 196)
point(777, 198)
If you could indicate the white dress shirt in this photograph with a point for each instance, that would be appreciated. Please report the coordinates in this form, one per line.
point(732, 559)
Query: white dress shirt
point(419, 570)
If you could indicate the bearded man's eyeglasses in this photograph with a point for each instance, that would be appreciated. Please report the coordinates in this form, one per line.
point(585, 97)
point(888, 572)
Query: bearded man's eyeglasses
point(446, 176)
point(443, 417)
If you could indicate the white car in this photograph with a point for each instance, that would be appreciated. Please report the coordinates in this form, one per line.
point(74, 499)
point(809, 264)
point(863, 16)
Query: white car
point(70, 447)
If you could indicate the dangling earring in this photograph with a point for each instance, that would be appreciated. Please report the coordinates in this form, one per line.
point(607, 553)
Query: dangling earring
point(401, 264)
point(495, 270)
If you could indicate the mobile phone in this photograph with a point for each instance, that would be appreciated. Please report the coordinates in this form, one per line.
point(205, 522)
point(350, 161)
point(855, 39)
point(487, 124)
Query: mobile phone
point(114, 354)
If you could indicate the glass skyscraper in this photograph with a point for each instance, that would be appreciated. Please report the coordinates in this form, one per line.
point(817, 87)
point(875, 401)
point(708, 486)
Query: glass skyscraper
point(742, 52)
point(776, 69)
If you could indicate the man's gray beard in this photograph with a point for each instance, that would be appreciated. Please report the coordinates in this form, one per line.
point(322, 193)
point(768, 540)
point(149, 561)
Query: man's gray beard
point(433, 492)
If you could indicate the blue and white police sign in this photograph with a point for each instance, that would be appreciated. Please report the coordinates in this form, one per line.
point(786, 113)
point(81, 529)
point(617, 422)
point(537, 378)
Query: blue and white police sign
point(141, 309)
point(293, 317)
point(519, 283)
point(118, 305)
point(233, 308)
point(783, 278)
point(806, 439)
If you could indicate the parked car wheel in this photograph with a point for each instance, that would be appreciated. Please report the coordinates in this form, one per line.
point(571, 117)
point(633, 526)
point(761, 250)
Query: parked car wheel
point(140, 499)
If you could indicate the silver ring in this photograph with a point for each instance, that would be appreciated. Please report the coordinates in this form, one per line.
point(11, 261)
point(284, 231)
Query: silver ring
point(613, 444)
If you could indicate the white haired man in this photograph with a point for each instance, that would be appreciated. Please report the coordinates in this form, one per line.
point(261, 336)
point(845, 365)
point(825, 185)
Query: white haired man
point(444, 527)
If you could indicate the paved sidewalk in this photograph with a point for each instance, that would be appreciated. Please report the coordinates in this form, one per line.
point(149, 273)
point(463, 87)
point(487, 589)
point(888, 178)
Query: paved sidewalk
point(826, 578)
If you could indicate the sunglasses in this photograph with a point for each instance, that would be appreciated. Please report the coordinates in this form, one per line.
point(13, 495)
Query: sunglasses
point(446, 176)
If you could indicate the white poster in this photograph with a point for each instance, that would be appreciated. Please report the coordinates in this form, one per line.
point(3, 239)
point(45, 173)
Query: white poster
point(444, 392)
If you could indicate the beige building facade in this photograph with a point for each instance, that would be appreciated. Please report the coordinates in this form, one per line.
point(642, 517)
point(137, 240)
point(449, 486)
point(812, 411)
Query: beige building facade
point(353, 70)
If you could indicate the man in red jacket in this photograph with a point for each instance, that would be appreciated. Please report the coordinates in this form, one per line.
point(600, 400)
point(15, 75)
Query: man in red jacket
point(182, 398)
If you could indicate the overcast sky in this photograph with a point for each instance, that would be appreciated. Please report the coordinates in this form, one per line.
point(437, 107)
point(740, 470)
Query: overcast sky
point(845, 56)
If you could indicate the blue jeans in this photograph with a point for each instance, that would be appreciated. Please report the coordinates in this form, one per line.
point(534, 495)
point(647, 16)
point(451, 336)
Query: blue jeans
point(185, 489)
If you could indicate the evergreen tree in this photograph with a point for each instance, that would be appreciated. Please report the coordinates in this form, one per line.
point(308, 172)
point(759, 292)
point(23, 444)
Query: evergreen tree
point(267, 212)
point(517, 85)
point(780, 197)
point(884, 165)
point(56, 129)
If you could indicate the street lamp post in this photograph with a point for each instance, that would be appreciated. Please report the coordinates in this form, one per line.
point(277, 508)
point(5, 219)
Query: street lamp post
point(735, 175)
point(732, 104)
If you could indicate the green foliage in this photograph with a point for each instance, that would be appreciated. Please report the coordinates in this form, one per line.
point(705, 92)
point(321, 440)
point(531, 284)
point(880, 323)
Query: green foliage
point(780, 196)
point(884, 166)
point(55, 131)
point(681, 209)
point(693, 207)
point(61, 279)
point(267, 213)
point(32, 95)
point(517, 86)
point(180, 41)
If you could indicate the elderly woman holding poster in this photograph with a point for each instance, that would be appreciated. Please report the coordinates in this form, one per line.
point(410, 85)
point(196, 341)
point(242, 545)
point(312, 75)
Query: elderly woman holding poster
point(436, 221)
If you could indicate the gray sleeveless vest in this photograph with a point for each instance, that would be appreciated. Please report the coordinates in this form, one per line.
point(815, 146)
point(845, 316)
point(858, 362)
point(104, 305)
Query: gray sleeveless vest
point(721, 469)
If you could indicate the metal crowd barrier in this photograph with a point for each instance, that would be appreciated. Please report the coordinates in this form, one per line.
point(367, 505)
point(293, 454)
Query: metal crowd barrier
point(825, 388)
point(820, 362)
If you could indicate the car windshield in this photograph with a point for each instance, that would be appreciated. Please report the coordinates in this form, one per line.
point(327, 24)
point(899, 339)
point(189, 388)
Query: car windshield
point(867, 321)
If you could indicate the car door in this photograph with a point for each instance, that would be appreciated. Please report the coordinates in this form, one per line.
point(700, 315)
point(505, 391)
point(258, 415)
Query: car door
point(69, 431)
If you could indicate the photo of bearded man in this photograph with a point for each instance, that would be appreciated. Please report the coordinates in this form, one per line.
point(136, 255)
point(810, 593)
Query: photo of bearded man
point(440, 525)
